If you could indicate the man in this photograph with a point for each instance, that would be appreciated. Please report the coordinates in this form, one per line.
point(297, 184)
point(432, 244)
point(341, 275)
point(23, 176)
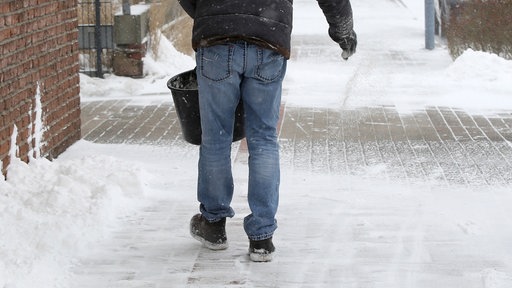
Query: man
point(242, 48)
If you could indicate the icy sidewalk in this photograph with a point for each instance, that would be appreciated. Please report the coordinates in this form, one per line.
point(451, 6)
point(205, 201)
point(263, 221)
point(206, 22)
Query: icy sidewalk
point(370, 198)
point(336, 230)
point(395, 173)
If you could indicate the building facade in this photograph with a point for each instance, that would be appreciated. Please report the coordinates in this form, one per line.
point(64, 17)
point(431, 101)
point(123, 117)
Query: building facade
point(39, 79)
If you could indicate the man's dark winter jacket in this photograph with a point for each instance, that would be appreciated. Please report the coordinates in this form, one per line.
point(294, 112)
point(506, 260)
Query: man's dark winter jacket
point(264, 22)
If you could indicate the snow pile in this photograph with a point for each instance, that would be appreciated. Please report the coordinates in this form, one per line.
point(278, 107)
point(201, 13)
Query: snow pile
point(475, 67)
point(170, 62)
point(477, 81)
point(51, 211)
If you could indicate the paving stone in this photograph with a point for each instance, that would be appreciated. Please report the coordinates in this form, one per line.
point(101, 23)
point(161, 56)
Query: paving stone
point(436, 143)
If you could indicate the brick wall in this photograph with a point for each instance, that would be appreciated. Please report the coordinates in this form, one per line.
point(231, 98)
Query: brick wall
point(39, 48)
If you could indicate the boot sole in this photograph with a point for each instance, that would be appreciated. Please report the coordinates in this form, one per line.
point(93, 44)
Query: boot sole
point(210, 245)
point(260, 257)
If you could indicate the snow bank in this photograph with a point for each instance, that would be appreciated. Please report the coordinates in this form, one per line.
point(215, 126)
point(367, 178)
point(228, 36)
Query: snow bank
point(157, 71)
point(51, 211)
point(477, 82)
point(481, 67)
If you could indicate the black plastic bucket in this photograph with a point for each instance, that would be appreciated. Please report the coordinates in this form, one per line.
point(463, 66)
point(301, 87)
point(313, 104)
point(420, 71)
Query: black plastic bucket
point(186, 102)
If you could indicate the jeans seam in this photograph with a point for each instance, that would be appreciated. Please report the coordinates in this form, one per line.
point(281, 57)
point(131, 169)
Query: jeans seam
point(229, 64)
point(259, 63)
point(246, 48)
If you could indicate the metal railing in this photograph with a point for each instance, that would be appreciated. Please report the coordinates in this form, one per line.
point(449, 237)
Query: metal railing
point(96, 37)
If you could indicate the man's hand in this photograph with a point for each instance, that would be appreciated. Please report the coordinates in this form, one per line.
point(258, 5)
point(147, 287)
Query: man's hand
point(348, 44)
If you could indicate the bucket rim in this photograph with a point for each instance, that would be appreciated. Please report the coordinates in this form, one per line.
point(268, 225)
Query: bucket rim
point(180, 75)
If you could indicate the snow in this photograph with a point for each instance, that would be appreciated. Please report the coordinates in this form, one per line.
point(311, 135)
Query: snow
point(55, 212)
point(137, 9)
point(38, 125)
point(52, 210)
point(154, 84)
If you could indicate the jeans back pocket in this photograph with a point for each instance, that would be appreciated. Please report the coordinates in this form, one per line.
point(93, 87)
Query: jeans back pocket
point(216, 62)
point(271, 65)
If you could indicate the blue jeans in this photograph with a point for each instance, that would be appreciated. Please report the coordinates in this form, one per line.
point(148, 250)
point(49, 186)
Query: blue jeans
point(225, 74)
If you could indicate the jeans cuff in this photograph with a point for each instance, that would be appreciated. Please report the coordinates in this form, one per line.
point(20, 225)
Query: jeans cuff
point(261, 237)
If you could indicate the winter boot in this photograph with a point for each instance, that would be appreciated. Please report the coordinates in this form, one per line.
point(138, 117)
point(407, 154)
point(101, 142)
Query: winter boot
point(211, 234)
point(261, 250)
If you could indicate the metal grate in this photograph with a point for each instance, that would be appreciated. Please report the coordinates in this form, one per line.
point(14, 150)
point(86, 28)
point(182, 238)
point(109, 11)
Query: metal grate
point(95, 38)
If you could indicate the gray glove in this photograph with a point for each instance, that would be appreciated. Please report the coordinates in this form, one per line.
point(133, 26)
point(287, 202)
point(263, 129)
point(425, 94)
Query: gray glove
point(348, 44)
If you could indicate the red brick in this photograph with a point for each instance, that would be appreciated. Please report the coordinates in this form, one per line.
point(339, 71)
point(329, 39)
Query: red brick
point(38, 42)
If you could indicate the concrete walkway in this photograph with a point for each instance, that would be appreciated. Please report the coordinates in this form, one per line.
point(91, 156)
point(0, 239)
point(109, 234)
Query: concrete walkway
point(334, 235)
